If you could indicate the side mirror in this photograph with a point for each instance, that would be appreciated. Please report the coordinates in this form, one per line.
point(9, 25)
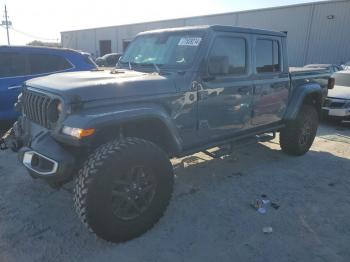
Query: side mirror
point(218, 65)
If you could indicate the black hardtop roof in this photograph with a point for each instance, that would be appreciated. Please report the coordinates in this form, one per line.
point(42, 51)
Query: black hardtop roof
point(220, 28)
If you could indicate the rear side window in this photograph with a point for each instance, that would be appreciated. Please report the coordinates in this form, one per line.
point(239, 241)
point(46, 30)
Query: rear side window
point(267, 56)
point(88, 59)
point(44, 63)
point(234, 50)
point(13, 64)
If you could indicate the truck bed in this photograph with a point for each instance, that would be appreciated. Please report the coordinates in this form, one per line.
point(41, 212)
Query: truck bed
point(302, 75)
point(304, 70)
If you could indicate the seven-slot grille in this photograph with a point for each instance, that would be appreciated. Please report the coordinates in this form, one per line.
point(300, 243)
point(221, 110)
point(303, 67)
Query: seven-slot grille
point(36, 107)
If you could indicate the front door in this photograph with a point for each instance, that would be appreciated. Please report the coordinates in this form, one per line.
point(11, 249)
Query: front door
point(271, 84)
point(225, 96)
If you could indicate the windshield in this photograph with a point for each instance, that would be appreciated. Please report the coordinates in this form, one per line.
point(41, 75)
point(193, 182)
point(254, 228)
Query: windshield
point(342, 79)
point(167, 49)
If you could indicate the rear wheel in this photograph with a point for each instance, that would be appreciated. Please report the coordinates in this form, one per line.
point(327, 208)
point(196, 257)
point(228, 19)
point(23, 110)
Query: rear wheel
point(298, 135)
point(123, 189)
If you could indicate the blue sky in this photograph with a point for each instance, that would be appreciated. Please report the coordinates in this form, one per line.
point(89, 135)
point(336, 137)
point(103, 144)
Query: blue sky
point(45, 19)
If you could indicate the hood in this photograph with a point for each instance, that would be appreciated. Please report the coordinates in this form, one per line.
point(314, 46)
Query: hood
point(342, 92)
point(95, 85)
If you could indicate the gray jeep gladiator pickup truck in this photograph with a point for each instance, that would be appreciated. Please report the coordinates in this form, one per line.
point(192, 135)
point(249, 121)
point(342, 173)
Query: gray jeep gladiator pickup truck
point(173, 93)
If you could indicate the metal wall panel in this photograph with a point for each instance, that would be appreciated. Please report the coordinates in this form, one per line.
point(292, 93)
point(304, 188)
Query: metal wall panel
point(312, 37)
point(85, 40)
point(330, 38)
point(107, 33)
point(68, 39)
point(225, 19)
point(294, 20)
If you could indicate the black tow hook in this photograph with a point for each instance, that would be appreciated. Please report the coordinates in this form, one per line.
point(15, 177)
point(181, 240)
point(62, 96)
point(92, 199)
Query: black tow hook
point(3, 145)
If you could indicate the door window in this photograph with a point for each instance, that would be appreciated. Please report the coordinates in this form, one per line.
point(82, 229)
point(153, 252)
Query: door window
point(232, 51)
point(44, 63)
point(267, 56)
point(13, 64)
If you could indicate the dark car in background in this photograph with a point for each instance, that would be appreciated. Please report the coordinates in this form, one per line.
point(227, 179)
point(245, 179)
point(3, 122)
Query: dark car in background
point(21, 63)
point(108, 60)
point(331, 67)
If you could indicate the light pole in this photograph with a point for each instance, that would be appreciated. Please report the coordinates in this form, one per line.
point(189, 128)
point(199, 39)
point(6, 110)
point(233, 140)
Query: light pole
point(7, 23)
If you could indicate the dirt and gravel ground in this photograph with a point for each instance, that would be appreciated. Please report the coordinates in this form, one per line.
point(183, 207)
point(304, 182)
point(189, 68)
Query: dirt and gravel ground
point(209, 218)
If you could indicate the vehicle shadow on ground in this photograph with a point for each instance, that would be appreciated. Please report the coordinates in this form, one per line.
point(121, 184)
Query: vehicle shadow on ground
point(330, 128)
point(209, 215)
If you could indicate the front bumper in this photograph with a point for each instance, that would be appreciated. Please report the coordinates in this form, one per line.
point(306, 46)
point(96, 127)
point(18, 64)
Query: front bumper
point(39, 152)
point(47, 159)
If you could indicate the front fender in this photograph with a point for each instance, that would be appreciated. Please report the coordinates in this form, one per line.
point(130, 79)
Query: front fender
point(298, 96)
point(117, 115)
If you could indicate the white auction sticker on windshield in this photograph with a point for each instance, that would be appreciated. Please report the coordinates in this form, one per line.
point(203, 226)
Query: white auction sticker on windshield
point(190, 41)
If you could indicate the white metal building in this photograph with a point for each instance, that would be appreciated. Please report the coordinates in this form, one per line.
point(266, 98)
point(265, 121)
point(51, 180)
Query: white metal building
point(318, 32)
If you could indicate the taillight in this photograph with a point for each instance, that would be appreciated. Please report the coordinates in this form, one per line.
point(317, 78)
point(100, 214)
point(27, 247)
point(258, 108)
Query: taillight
point(331, 82)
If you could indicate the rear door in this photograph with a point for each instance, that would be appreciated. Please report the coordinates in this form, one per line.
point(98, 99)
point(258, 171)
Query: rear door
point(18, 67)
point(271, 80)
point(14, 70)
point(45, 64)
point(224, 100)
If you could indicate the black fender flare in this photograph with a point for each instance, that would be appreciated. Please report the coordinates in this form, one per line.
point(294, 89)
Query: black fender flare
point(298, 96)
point(119, 115)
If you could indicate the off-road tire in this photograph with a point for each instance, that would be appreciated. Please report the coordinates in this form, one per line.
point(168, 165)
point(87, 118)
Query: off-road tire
point(94, 187)
point(293, 140)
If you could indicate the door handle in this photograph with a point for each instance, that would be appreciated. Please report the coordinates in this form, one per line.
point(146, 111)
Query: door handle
point(14, 87)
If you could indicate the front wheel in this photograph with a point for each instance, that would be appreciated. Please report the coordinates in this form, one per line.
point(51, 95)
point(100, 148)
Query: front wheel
point(123, 189)
point(298, 135)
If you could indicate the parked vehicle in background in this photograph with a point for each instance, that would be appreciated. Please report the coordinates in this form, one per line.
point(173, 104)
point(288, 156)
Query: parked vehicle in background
point(337, 104)
point(89, 58)
point(108, 60)
point(346, 66)
point(21, 63)
point(174, 92)
point(332, 67)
